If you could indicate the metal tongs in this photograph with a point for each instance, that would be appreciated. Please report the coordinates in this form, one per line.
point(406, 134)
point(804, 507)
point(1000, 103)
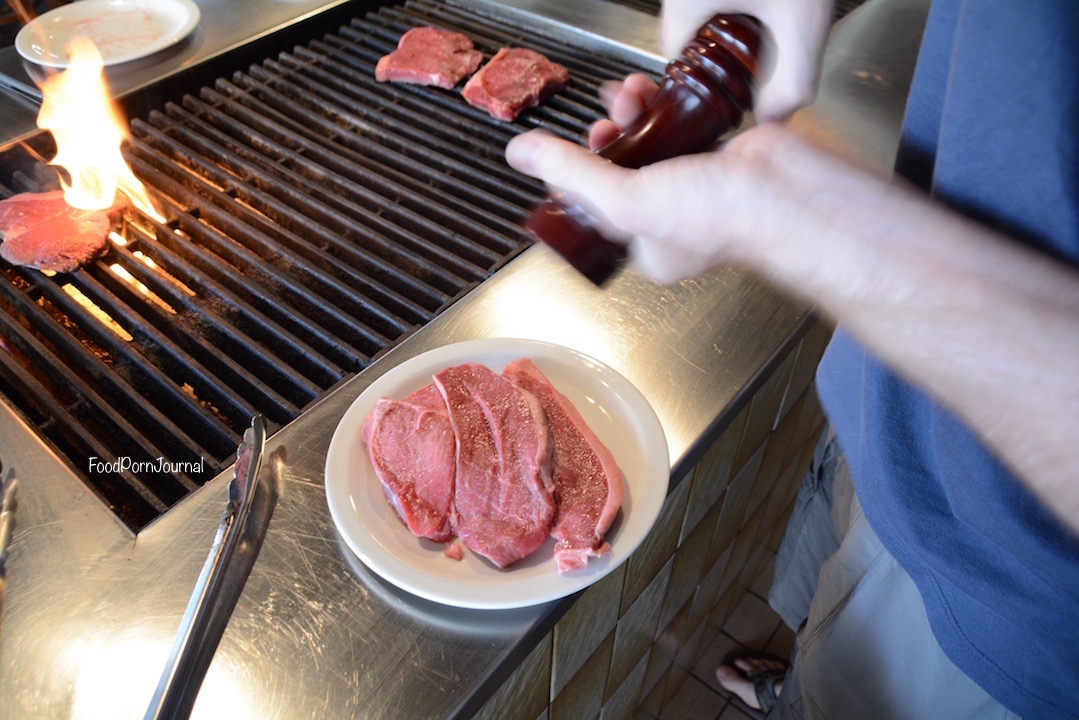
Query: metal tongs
point(27, 95)
point(7, 522)
point(172, 697)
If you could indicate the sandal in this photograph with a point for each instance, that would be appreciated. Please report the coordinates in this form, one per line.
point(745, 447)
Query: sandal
point(764, 684)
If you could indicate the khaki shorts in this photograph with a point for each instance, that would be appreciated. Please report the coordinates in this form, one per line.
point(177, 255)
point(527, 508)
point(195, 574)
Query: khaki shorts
point(865, 648)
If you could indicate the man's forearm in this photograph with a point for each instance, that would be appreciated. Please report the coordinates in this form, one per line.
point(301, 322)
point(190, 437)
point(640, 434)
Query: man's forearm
point(984, 324)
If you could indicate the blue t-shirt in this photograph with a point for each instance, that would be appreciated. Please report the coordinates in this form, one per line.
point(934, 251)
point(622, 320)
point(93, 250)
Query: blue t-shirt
point(991, 130)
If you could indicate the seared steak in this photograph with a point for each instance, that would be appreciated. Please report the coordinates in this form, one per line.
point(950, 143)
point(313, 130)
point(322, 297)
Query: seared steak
point(513, 80)
point(503, 502)
point(429, 56)
point(587, 482)
point(40, 230)
point(412, 448)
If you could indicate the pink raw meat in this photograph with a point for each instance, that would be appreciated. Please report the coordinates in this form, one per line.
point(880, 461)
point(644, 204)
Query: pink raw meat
point(42, 231)
point(588, 484)
point(412, 448)
point(429, 56)
point(503, 502)
point(513, 80)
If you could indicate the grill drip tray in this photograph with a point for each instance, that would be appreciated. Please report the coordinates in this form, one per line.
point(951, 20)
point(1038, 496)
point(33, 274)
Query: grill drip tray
point(314, 218)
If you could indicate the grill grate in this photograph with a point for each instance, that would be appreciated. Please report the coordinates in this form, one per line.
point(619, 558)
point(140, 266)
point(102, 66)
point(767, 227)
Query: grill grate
point(314, 218)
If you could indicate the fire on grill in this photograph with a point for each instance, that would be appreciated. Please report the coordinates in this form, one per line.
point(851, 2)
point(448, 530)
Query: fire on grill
point(60, 231)
point(310, 218)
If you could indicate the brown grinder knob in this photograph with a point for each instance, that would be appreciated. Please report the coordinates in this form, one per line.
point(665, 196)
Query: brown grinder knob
point(704, 94)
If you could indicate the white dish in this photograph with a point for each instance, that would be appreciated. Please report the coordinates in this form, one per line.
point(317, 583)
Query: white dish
point(122, 30)
point(615, 410)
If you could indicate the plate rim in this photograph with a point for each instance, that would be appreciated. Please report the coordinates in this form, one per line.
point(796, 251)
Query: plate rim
point(643, 513)
point(23, 44)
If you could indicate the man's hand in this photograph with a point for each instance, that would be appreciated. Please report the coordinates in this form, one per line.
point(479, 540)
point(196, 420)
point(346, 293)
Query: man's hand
point(793, 47)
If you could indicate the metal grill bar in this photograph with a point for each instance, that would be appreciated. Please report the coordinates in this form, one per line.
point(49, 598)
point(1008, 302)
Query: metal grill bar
point(409, 229)
point(375, 167)
point(405, 134)
point(251, 243)
point(292, 351)
point(313, 218)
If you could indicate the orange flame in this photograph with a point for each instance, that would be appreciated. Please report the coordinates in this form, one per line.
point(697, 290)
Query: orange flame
point(88, 130)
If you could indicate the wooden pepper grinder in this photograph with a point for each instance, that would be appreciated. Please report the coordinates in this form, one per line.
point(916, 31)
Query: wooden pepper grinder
point(705, 93)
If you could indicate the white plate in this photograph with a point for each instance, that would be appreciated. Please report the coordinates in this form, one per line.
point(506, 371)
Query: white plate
point(122, 30)
point(615, 410)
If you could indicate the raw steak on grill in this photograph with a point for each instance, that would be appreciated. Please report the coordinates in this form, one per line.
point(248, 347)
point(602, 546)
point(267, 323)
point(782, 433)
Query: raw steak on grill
point(429, 56)
point(412, 448)
point(513, 80)
point(587, 482)
point(42, 231)
point(502, 497)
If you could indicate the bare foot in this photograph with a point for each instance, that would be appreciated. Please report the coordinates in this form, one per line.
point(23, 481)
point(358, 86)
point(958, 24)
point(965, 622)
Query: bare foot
point(738, 679)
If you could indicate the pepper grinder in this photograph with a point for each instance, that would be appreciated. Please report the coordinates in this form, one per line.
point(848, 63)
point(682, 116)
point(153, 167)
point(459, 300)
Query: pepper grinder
point(704, 94)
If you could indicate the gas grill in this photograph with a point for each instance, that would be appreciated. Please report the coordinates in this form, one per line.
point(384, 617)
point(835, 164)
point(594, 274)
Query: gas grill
point(313, 219)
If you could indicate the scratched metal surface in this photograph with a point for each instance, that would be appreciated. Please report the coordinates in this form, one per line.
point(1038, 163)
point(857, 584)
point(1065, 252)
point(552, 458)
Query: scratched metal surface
point(90, 609)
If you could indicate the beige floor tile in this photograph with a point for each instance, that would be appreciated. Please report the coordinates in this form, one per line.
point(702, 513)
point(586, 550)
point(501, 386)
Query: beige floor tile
point(731, 712)
point(693, 701)
point(782, 643)
point(752, 623)
point(720, 647)
point(763, 582)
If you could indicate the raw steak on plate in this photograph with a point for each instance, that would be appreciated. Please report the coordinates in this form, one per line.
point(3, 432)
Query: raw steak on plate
point(502, 496)
point(412, 448)
point(587, 482)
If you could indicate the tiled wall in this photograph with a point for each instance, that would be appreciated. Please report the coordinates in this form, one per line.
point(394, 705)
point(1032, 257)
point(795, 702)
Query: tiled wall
point(630, 640)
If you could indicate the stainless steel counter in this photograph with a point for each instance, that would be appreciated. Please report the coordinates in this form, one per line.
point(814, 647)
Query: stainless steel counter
point(90, 609)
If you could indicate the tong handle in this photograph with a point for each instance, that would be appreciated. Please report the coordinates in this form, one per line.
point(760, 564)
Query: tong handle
point(191, 637)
